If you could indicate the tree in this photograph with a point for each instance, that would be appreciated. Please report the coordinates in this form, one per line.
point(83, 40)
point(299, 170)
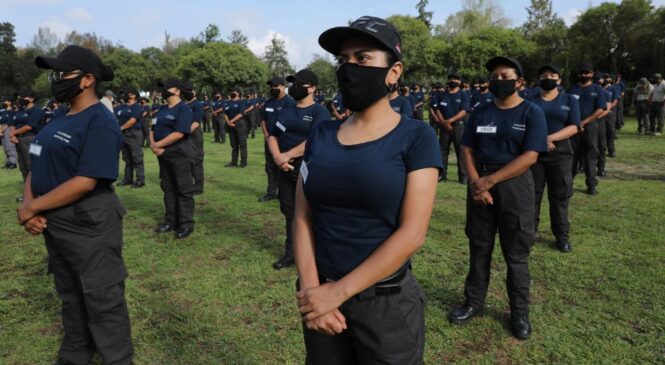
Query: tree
point(129, 69)
point(325, 71)
point(475, 16)
point(210, 34)
point(45, 41)
point(222, 65)
point(159, 66)
point(276, 57)
point(548, 32)
point(96, 43)
point(8, 59)
point(418, 47)
point(424, 15)
point(237, 37)
point(540, 16)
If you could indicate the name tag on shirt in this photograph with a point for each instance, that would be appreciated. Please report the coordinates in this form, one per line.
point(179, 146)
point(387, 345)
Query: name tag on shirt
point(154, 121)
point(491, 129)
point(35, 149)
point(304, 172)
point(270, 109)
point(444, 103)
point(280, 126)
point(576, 97)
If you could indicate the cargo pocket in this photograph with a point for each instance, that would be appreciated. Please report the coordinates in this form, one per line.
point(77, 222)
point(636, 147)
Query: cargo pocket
point(90, 216)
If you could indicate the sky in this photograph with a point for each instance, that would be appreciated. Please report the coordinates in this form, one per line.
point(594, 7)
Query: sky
point(140, 24)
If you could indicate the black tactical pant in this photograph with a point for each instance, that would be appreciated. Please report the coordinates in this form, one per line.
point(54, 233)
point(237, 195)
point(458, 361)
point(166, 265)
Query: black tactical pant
point(84, 242)
point(238, 137)
point(132, 155)
point(145, 127)
point(656, 115)
point(23, 152)
point(197, 168)
point(587, 153)
point(619, 114)
point(175, 174)
point(642, 112)
point(219, 128)
point(206, 121)
point(606, 133)
point(513, 216)
point(554, 169)
point(287, 202)
point(272, 170)
point(382, 329)
point(454, 137)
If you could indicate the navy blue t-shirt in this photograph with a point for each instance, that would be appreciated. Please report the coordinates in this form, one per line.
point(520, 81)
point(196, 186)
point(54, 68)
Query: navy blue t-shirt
point(7, 117)
point(402, 105)
point(614, 93)
point(591, 98)
point(561, 112)
point(416, 97)
point(235, 107)
point(319, 99)
point(479, 99)
point(338, 103)
point(197, 110)
point(355, 192)
point(498, 136)
point(176, 119)
point(84, 144)
point(293, 125)
point(33, 117)
point(126, 112)
point(451, 104)
point(273, 106)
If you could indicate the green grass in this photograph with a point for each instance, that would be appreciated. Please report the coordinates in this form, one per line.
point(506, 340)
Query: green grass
point(214, 298)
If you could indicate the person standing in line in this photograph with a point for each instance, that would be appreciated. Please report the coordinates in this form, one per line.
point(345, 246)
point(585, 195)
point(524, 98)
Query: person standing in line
point(657, 105)
point(197, 136)
point(7, 113)
point(26, 123)
point(129, 117)
point(641, 95)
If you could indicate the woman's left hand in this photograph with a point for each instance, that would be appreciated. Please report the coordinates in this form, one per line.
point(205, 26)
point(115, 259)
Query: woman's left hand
point(24, 213)
point(481, 185)
point(317, 301)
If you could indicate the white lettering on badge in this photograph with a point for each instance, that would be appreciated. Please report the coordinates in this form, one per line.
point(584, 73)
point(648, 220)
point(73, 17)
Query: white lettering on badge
point(304, 172)
point(486, 129)
point(35, 149)
point(280, 126)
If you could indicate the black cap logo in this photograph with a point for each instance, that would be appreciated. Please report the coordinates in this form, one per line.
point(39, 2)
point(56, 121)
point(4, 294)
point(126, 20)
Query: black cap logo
point(369, 24)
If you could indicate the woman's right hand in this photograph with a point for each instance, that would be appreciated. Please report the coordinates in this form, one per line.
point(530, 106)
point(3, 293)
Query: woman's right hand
point(35, 225)
point(484, 198)
point(330, 324)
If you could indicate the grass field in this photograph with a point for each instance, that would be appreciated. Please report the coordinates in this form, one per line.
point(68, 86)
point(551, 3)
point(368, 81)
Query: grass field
point(215, 299)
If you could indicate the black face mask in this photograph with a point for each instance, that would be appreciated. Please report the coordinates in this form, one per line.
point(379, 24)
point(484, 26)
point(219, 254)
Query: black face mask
point(362, 86)
point(125, 98)
point(189, 95)
point(22, 103)
point(453, 85)
point(166, 94)
point(548, 84)
point(233, 95)
point(483, 88)
point(218, 97)
point(298, 92)
point(66, 90)
point(584, 79)
point(275, 93)
point(502, 89)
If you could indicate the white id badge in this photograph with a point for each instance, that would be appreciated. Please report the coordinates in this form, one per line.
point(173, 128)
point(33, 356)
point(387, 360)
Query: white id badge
point(270, 110)
point(488, 129)
point(154, 121)
point(35, 149)
point(303, 171)
point(280, 126)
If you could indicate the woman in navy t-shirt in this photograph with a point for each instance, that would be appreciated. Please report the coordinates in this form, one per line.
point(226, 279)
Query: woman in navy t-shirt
point(69, 198)
point(363, 203)
point(554, 168)
point(287, 145)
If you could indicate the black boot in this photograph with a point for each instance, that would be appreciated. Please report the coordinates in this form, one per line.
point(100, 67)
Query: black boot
point(520, 326)
point(463, 314)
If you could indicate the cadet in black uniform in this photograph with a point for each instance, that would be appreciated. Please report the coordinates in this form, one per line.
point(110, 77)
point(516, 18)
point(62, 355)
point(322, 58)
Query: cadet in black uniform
point(501, 142)
point(235, 114)
point(69, 198)
point(7, 113)
point(363, 203)
point(196, 136)
point(146, 121)
point(287, 145)
point(554, 168)
point(207, 104)
point(26, 124)
point(129, 117)
point(170, 141)
point(218, 122)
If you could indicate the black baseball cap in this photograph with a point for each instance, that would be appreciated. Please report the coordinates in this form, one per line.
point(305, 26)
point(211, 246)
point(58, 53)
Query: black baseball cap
point(76, 58)
point(276, 81)
point(454, 75)
point(304, 76)
point(506, 61)
point(25, 92)
point(172, 82)
point(375, 28)
point(586, 67)
point(130, 90)
point(549, 67)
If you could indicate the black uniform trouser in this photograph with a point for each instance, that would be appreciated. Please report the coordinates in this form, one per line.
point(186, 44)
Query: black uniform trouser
point(382, 330)
point(513, 216)
point(238, 137)
point(454, 137)
point(287, 202)
point(23, 153)
point(175, 174)
point(219, 128)
point(656, 115)
point(418, 113)
point(272, 171)
point(84, 242)
point(606, 133)
point(197, 168)
point(132, 154)
point(587, 153)
point(619, 114)
point(642, 111)
point(145, 127)
point(206, 121)
point(253, 117)
point(554, 169)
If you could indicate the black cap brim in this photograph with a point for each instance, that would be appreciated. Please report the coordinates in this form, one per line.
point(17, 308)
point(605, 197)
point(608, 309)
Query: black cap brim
point(53, 63)
point(552, 68)
point(332, 39)
point(492, 63)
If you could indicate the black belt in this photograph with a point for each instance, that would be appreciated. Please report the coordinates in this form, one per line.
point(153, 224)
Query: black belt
point(456, 122)
point(388, 286)
point(490, 167)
